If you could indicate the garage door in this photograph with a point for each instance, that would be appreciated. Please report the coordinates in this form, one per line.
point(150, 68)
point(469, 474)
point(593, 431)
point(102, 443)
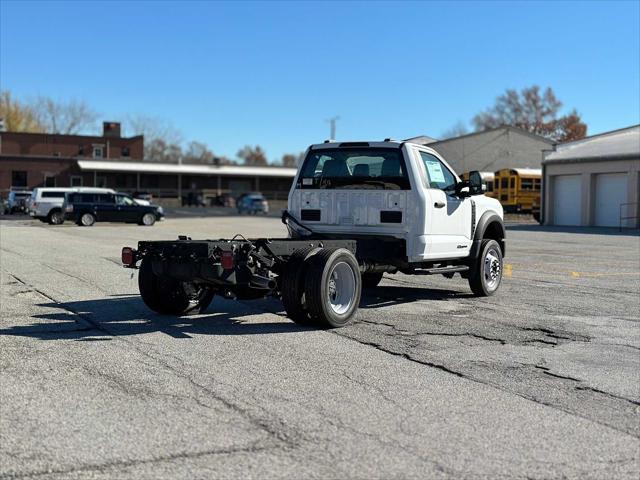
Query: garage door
point(611, 192)
point(567, 200)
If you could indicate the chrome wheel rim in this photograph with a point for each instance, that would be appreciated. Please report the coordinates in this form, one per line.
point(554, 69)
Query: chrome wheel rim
point(57, 218)
point(341, 289)
point(492, 269)
point(147, 219)
point(87, 220)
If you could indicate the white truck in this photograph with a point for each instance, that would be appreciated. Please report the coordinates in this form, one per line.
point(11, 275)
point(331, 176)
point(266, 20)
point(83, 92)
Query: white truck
point(356, 211)
point(45, 203)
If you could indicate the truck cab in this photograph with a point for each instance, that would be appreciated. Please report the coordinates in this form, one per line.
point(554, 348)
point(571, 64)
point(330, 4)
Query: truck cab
point(392, 189)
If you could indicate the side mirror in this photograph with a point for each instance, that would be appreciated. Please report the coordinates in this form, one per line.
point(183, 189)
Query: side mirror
point(475, 183)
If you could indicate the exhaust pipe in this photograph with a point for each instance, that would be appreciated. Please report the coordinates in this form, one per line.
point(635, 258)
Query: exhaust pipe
point(263, 283)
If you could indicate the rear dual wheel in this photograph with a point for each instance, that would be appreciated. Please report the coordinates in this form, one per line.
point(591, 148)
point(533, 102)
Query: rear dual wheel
point(324, 287)
point(166, 295)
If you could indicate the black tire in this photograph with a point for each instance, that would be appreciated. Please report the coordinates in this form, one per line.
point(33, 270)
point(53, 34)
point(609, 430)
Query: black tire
point(55, 217)
point(292, 285)
point(371, 279)
point(486, 273)
point(87, 219)
point(322, 300)
point(168, 296)
point(150, 219)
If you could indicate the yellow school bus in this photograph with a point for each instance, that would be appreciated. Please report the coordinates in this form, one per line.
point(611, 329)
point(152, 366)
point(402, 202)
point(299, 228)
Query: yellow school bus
point(518, 189)
point(487, 179)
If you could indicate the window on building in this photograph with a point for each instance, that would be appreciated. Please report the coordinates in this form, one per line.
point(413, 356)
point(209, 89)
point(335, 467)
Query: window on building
point(98, 152)
point(489, 186)
point(76, 181)
point(101, 182)
point(49, 181)
point(125, 151)
point(18, 178)
point(80, 150)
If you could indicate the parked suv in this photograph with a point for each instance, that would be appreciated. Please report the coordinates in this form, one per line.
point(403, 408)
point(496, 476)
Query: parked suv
point(252, 203)
point(87, 208)
point(17, 201)
point(46, 203)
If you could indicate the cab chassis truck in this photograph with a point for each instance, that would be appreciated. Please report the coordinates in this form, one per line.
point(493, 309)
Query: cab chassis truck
point(356, 210)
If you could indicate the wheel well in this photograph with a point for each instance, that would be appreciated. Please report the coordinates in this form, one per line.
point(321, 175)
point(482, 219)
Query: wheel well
point(495, 231)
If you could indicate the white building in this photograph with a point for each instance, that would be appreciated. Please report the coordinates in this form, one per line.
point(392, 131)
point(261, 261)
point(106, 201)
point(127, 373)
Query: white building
point(593, 181)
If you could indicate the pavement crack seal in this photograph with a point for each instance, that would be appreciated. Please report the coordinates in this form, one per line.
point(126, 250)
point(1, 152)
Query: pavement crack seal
point(276, 431)
point(439, 334)
point(252, 448)
point(489, 384)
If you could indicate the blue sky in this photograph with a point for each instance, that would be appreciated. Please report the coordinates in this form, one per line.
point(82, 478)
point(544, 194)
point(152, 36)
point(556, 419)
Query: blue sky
point(270, 73)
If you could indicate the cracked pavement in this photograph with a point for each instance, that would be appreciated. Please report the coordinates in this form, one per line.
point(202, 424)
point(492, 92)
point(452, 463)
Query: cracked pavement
point(540, 381)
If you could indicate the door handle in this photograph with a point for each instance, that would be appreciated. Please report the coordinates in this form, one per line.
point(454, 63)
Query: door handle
point(439, 204)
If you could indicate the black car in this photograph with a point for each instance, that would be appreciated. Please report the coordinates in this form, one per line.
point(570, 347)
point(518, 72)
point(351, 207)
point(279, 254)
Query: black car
point(87, 208)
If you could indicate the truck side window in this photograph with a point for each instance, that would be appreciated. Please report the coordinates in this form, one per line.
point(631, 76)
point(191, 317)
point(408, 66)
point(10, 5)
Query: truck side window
point(438, 176)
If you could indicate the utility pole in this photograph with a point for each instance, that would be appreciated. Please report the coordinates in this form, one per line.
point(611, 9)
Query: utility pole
point(332, 123)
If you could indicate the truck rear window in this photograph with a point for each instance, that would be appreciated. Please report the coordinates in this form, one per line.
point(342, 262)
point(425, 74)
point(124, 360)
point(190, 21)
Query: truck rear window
point(354, 168)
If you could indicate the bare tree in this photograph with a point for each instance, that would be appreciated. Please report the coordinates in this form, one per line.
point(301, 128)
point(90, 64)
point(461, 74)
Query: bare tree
point(253, 155)
point(291, 160)
point(17, 116)
point(66, 117)
point(456, 130)
point(161, 139)
point(534, 112)
point(198, 152)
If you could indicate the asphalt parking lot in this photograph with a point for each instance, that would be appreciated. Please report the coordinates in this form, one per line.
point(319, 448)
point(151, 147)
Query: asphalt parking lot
point(540, 381)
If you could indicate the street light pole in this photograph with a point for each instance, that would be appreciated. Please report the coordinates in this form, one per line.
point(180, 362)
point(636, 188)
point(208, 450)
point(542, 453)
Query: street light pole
point(332, 123)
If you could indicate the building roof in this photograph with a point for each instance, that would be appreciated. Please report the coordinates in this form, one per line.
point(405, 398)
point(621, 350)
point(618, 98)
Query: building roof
point(421, 140)
point(504, 127)
point(609, 145)
point(186, 169)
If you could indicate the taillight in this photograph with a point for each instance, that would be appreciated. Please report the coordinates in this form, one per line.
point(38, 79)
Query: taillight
point(128, 256)
point(226, 260)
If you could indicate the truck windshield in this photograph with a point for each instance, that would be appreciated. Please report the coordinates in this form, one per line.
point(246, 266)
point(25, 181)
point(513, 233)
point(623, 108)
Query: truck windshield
point(361, 168)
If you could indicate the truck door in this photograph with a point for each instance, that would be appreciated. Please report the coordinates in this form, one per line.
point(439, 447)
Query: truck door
point(448, 216)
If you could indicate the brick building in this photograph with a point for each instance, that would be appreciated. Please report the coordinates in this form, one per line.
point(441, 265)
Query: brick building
point(29, 160)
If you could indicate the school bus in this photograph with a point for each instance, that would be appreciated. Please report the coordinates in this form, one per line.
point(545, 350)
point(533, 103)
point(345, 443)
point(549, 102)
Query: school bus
point(487, 179)
point(518, 189)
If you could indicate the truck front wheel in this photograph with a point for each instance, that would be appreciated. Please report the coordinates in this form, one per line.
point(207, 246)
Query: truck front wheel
point(333, 287)
point(165, 295)
point(486, 272)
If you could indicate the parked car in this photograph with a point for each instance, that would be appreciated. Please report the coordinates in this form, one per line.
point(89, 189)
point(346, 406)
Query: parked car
point(252, 203)
point(85, 209)
point(17, 201)
point(46, 203)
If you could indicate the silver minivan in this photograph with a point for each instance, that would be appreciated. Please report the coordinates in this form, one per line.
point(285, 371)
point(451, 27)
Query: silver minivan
point(46, 202)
